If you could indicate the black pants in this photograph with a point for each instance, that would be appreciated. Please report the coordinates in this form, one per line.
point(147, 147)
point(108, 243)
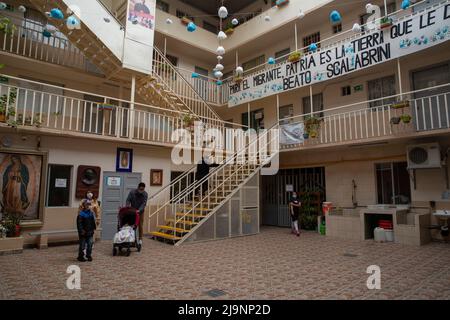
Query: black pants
point(203, 188)
point(85, 243)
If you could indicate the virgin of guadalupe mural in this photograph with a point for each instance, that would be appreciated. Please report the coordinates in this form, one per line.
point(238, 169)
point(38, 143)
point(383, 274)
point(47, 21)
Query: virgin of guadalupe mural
point(20, 179)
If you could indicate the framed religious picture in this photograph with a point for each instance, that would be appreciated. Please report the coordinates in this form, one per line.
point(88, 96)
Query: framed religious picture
point(124, 160)
point(21, 181)
point(156, 177)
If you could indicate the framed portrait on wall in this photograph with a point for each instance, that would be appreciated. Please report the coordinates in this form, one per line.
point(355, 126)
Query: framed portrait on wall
point(21, 181)
point(124, 160)
point(156, 177)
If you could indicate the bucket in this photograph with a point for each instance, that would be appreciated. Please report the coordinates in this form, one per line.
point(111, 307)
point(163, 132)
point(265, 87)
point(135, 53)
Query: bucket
point(389, 234)
point(326, 207)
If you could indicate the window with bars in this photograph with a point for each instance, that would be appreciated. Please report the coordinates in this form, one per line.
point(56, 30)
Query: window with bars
point(312, 38)
point(251, 64)
point(337, 28)
point(393, 183)
point(180, 14)
point(380, 88)
point(282, 55)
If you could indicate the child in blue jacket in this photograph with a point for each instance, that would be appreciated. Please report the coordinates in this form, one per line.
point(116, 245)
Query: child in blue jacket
point(86, 226)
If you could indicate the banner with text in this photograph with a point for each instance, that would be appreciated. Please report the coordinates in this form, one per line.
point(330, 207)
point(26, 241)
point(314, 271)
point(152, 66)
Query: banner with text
point(407, 35)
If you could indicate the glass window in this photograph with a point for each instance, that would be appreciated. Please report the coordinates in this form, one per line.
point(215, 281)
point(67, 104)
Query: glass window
point(312, 38)
point(337, 28)
point(393, 183)
point(251, 64)
point(317, 104)
point(163, 6)
point(59, 183)
point(257, 119)
point(282, 55)
point(380, 88)
point(286, 112)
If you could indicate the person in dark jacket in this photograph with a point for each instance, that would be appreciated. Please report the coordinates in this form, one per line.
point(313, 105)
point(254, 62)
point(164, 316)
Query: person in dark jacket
point(137, 199)
point(86, 226)
point(202, 171)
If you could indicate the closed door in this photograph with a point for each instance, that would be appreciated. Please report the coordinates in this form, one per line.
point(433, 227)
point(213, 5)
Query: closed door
point(431, 107)
point(116, 186)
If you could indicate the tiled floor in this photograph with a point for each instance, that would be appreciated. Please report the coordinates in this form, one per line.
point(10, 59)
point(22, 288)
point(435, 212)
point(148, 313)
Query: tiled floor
point(271, 265)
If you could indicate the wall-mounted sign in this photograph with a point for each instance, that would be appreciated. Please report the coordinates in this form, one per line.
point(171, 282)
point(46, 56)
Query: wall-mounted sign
point(60, 183)
point(408, 35)
point(289, 188)
point(113, 181)
point(358, 88)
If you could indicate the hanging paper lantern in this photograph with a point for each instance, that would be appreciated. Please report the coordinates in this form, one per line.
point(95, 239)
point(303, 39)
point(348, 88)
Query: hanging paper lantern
point(221, 36)
point(239, 70)
point(271, 60)
point(313, 47)
point(50, 29)
point(301, 14)
point(219, 67)
point(22, 9)
point(405, 4)
point(218, 74)
point(335, 16)
point(219, 58)
point(195, 75)
point(356, 28)
point(73, 23)
point(191, 27)
point(2, 6)
point(219, 82)
point(369, 7)
point(235, 22)
point(169, 21)
point(220, 51)
point(267, 18)
point(56, 14)
point(223, 12)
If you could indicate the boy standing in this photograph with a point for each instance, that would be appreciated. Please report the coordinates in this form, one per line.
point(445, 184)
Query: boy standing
point(86, 226)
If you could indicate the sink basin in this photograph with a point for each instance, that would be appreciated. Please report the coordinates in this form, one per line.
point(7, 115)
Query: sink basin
point(442, 213)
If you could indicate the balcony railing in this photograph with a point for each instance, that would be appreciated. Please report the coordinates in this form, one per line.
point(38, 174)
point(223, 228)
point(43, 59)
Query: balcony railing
point(407, 114)
point(27, 40)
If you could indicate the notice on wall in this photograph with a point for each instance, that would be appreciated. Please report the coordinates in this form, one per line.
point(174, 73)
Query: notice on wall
point(113, 181)
point(139, 35)
point(407, 35)
point(289, 188)
point(60, 183)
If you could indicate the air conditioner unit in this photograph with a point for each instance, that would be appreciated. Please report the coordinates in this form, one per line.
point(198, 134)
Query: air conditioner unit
point(424, 156)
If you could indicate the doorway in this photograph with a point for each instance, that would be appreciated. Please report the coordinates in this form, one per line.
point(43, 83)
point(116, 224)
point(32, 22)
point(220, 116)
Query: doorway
point(431, 113)
point(256, 119)
point(275, 192)
point(116, 186)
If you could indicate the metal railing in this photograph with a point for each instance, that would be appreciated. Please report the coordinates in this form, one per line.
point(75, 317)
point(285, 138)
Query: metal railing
point(401, 114)
point(64, 112)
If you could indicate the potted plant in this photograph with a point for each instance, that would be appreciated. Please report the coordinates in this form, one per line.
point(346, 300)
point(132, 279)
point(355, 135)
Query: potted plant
point(229, 29)
point(7, 102)
point(185, 20)
point(294, 56)
point(385, 22)
point(6, 26)
point(10, 239)
point(406, 118)
point(306, 135)
point(395, 120)
point(188, 121)
point(400, 104)
point(312, 126)
point(238, 79)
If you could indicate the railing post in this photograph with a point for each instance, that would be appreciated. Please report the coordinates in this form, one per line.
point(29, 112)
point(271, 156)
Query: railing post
point(133, 94)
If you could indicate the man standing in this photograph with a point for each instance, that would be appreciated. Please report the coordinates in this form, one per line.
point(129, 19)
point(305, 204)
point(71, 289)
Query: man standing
point(137, 199)
point(294, 210)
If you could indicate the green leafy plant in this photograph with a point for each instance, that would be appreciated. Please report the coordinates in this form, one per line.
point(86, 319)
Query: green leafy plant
point(6, 26)
point(400, 104)
point(188, 120)
point(229, 28)
point(295, 56)
point(11, 222)
point(385, 22)
point(312, 126)
point(406, 118)
point(7, 104)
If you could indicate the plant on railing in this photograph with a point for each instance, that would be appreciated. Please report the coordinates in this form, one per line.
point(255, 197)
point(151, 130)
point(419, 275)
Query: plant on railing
point(229, 29)
point(185, 20)
point(295, 56)
point(312, 126)
point(395, 120)
point(7, 103)
point(11, 224)
point(400, 104)
point(36, 121)
point(385, 22)
point(188, 121)
point(6, 26)
point(406, 118)
point(238, 78)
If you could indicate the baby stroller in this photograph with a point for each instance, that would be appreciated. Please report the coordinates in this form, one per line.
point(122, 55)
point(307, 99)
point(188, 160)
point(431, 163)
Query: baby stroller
point(127, 231)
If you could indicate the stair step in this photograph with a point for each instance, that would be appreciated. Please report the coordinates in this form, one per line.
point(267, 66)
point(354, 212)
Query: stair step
point(189, 207)
point(182, 222)
point(190, 215)
point(170, 228)
point(165, 236)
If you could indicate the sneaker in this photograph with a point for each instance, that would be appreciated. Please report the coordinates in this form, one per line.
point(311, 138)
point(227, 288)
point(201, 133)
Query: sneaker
point(298, 234)
point(81, 259)
point(89, 259)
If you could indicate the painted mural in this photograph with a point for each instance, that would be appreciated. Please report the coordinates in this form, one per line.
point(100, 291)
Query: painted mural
point(20, 178)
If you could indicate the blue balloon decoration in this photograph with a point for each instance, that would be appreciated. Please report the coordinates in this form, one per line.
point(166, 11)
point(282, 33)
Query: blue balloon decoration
point(271, 60)
point(219, 82)
point(72, 22)
point(335, 16)
point(56, 14)
point(313, 47)
point(191, 27)
point(405, 4)
point(195, 75)
point(46, 33)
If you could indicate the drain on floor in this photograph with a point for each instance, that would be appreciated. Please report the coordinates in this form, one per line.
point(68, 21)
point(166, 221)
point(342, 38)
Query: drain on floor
point(351, 255)
point(215, 293)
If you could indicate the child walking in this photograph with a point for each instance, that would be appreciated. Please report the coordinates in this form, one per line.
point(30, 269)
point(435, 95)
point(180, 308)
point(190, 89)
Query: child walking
point(294, 208)
point(86, 226)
